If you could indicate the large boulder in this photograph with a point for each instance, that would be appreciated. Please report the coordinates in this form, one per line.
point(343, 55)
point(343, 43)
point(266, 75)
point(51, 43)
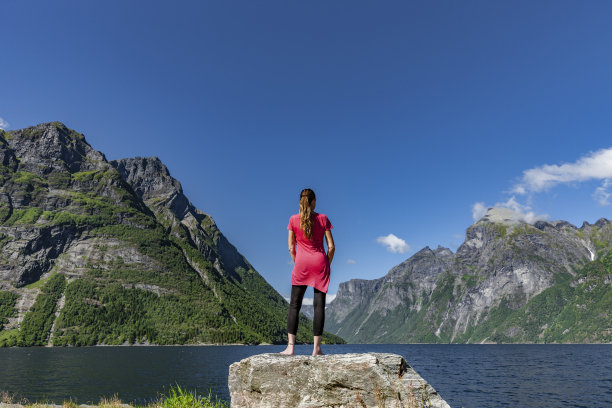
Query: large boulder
point(335, 380)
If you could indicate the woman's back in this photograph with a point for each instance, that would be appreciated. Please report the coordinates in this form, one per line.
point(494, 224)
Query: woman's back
point(311, 263)
point(320, 224)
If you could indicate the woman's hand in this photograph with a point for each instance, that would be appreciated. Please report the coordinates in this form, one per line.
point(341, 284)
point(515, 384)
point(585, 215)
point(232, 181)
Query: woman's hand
point(330, 245)
point(292, 245)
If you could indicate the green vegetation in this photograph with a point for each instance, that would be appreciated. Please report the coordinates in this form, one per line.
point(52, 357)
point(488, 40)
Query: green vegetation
point(25, 177)
point(599, 241)
point(36, 325)
point(575, 309)
point(175, 398)
point(5, 212)
point(104, 308)
point(23, 216)
point(101, 309)
point(471, 280)
point(406, 324)
point(524, 229)
point(93, 211)
point(5, 135)
point(7, 307)
point(500, 229)
point(112, 314)
point(8, 338)
point(84, 175)
point(59, 179)
point(487, 329)
point(444, 293)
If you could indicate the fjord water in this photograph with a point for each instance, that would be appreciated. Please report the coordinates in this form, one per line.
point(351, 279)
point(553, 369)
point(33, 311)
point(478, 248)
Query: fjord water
point(465, 375)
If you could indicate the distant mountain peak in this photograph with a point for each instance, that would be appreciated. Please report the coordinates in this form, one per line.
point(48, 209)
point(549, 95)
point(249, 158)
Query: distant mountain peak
point(442, 251)
point(148, 176)
point(52, 146)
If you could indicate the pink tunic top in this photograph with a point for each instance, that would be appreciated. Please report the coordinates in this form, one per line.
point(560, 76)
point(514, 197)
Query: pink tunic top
point(311, 264)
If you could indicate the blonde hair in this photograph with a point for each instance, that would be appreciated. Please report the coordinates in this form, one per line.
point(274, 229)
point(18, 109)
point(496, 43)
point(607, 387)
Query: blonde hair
point(307, 196)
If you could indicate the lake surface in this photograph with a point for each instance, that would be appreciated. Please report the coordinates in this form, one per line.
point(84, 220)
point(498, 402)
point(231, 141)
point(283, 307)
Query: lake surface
point(478, 376)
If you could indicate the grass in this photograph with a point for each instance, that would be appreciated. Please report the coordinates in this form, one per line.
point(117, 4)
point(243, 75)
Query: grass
point(22, 216)
point(26, 177)
point(7, 307)
point(6, 335)
point(176, 398)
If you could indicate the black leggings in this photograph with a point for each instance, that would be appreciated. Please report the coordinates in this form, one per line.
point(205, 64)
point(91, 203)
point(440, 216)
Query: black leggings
point(297, 294)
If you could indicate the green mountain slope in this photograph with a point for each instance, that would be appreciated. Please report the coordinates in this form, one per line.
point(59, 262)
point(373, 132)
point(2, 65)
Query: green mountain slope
point(510, 281)
point(576, 309)
point(90, 256)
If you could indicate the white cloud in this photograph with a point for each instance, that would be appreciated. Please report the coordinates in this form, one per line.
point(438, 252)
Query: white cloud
point(3, 124)
point(394, 244)
point(351, 261)
point(594, 166)
point(601, 193)
point(522, 212)
point(478, 210)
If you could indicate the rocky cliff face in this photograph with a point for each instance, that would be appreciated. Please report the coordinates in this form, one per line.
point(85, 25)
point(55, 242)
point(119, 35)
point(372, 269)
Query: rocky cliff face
point(163, 194)
point(93, 252)
point(472, 295)
point(45, 174)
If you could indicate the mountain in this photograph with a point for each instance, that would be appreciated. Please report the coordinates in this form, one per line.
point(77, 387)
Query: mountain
point(112, 252)
point(509, 281)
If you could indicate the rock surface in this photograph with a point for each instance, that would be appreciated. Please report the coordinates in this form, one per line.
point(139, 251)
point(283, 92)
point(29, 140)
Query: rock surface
point(335, 380)
point(163, 194)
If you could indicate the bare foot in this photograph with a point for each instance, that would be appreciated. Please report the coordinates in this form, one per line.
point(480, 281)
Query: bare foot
point(288, 351)
point(318, 353)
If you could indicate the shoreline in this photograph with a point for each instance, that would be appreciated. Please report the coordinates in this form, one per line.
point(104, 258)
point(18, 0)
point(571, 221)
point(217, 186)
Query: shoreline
point(176, 397)
point(67, 404)
point(306, 344)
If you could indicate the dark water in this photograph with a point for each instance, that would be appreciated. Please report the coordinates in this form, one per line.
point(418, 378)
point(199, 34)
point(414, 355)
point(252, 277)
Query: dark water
point(476, 376)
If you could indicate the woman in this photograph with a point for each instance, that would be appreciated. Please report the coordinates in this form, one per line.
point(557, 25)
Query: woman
point(311, 266)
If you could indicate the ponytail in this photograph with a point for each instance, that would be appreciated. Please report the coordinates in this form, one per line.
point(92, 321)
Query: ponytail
point(307, 196)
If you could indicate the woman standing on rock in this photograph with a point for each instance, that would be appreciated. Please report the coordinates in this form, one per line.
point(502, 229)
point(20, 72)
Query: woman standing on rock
point(311, 266)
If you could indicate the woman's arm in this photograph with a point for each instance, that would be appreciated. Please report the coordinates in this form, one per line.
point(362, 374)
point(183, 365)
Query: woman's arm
point(292, 245)
point(330, 245)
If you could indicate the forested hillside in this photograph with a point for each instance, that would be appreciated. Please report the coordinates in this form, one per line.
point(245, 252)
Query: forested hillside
point(92, 252)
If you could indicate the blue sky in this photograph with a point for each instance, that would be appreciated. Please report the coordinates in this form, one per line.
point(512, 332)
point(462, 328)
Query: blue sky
point(406, 118)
